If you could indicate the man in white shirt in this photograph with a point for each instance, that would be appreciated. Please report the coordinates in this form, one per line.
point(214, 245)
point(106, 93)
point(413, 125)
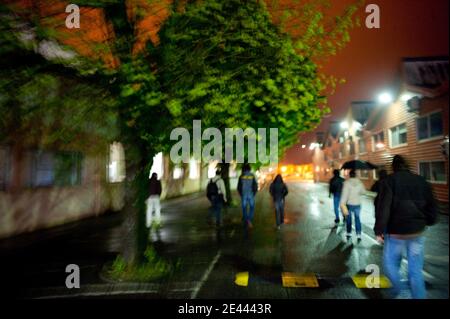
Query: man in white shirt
point(351, 201)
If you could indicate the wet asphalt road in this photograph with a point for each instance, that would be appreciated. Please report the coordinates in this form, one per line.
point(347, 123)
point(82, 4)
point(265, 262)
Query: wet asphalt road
point(308, 243)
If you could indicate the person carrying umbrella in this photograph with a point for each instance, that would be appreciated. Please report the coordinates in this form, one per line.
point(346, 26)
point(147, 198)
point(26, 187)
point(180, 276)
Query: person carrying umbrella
point(351, 203)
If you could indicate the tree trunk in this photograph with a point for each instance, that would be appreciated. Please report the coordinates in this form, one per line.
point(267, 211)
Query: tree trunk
point(135, 233)
point(225, 174)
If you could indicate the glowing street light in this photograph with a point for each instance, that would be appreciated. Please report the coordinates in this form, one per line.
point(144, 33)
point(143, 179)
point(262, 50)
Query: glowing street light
point(303, 146)
point(385, 98)
point(344, 125)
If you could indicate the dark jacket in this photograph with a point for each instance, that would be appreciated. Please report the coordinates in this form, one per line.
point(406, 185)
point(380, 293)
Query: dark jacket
point(376, 189)
point(155, 187)
point(247, 184)
point(405, 205)
point(278, 190)
point(336, 184)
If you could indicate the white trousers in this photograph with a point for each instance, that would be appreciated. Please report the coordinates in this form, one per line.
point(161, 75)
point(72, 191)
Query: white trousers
point(153, 205)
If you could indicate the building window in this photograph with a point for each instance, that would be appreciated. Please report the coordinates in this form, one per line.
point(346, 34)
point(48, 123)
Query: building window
point(398, 135)
point(362, 146)
point(433, 172)
point(212, 166)
point(376, 172)
point(363, 174)
point(193, 169)
point(5, 167)
point(342, 151)
point(177, 172)
point(55, 169)
point(42, 170)
point(430, 126)
point(378, 141)
point(116, 165)
point(351, 148)
point(158, 165)
point(68, 168)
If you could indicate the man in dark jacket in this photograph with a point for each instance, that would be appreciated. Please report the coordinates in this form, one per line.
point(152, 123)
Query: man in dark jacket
point(336, 184)
point(279, 191)
point(153, 202)
point(405, 207)
point(382, 174)
point(247, 188)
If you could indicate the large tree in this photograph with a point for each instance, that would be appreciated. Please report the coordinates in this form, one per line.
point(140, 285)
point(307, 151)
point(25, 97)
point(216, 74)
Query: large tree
point(226, 63)
point(223, 62)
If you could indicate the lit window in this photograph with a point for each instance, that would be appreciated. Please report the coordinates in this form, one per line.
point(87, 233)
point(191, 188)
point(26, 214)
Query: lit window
point(193, 169)
point(378, 141)
point(398, 135)
point(233, 172)
point(158, 165)
point(362, 146)
point(433, 171)
point(212, 169)
point(116, 165)
point(430, 126)
point(177, 173)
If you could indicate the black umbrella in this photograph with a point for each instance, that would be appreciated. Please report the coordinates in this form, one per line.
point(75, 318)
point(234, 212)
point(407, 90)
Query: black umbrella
point(358, 164)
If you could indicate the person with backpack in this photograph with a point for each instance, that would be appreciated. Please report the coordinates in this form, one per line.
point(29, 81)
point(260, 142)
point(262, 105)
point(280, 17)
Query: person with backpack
point(278, 190)
point(217, 195)
point(153, 202)
point(405, 207)
point(247, 188)
point(351, 200)
point(335, 189)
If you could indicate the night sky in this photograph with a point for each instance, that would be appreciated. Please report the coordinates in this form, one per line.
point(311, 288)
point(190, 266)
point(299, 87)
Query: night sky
point(371, 61)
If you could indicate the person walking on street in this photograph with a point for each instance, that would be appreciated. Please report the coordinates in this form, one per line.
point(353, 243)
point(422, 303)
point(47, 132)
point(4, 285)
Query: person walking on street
point(247, 188)
point(405, 207)
point(216, 193)
point(382, 174)
point(351, 203)
point(153, 202)
point(335, 189)
point(278, 190)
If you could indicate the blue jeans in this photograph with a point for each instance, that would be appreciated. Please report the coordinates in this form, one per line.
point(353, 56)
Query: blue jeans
point(394, 249)
point(279, 211)
point(248, 200)
point(336, 201)
point(356, 210)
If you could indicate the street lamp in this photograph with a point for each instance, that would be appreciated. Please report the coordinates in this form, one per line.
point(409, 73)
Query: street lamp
point(303, 146)
point(385, 98)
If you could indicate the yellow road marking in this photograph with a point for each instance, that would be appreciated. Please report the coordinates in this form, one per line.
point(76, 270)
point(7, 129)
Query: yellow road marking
point(308, 280)
point(362, 281)
point(242, 279)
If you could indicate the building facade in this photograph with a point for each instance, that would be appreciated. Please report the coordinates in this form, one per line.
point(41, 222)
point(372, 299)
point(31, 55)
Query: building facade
point(414, 124)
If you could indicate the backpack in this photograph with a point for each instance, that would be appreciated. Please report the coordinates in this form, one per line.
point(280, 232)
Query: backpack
point(212, 189)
